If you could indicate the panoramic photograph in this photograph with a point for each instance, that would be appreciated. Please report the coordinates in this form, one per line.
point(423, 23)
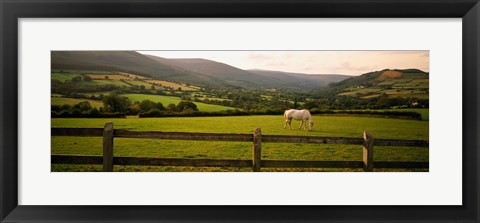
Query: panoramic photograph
point(239, 111)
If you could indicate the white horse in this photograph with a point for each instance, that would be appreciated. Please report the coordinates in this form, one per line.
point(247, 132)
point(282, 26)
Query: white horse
point(302, 115)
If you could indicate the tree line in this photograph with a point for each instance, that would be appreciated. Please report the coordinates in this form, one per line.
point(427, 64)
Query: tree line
point(251, 101)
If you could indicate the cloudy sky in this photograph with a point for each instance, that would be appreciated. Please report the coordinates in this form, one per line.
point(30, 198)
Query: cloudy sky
point(311, 62)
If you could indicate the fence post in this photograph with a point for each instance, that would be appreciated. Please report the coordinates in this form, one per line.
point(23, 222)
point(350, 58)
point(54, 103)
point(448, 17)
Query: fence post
point(367, 151)
point(108, 147)
point(257, 149)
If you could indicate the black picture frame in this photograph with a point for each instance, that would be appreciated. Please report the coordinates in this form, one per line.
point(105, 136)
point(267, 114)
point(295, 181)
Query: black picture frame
point(11, 11)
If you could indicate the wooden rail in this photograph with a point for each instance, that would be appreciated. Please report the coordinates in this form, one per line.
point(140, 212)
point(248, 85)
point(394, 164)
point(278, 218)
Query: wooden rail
point(233, 137)
point(108, 160)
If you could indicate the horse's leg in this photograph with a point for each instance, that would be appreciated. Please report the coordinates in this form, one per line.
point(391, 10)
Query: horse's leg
point(285, 124)
point(300, 127)
point(290, 123)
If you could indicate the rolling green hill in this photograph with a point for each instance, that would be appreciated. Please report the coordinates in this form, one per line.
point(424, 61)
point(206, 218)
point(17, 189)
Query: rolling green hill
point(165, 100)
point(198, 72)
point(291, 80)
point(124, 61)
point(74, 101)
point(230, 75)
point(225, 73)
point(406, 83)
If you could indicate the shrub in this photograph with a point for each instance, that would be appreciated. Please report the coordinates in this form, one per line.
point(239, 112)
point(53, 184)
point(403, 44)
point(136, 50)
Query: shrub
point(184, 105)
point(151, 113)
point(114, 103)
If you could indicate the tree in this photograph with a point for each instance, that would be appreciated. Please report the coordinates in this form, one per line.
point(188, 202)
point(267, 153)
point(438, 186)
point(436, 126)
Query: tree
point(115, 103)
point(184, 105)
point(87, 78)
point(146, 105)
point(83, 106)
point(76, 79)
point(159, 106)
point(134, 109)
point(295, 104)
point(172, 108)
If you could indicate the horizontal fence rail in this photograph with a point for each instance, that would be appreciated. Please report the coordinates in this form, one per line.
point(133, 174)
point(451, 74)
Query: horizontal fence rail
point(234, 137)
point(108, 160)
point(183, 135)
point(151, 161)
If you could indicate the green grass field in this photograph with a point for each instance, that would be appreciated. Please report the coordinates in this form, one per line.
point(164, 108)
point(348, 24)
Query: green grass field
point(64, 76)
point(74, 101)
point(165, 100)
point(97, 94)
point(346, 126)
point(107, 82)
point(407, 86)
point(140, 83)
point(422, 111)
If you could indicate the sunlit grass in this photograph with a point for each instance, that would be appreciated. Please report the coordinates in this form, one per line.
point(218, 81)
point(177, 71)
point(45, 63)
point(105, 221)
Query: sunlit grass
point(347, 126)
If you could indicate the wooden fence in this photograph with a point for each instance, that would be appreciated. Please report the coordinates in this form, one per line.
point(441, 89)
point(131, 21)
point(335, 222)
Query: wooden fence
point(256, 163)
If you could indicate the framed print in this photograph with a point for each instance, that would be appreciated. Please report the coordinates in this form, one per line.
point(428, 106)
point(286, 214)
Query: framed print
point(190, 111)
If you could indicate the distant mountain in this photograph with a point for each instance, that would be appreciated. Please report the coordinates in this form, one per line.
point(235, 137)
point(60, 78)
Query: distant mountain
point(126, 61)
point(224, 73)
point(404, 83)
point(200, 72)
point(299, 80)
point(252, 78)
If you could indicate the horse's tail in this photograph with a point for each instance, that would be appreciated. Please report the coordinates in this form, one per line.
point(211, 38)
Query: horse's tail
point(285, 114)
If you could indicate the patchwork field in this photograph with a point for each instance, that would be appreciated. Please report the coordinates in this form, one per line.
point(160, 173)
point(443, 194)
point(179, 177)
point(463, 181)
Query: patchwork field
point(117, 79)
point(63, 76)
point(393, 83)
point(346, 126)
point(171, 85)
point(107, 82)
point(165, 100)
point(108, 77)
point(139, 83)
point(74, 101)
point(132, 76)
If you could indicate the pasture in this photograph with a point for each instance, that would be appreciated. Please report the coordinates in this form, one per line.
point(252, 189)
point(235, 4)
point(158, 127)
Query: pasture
point(133, 76)
point(108, 76)
point(171, 85)
point(405, 86)
point(64, 76)
point(107, 82)
point(74, 101)
point(139, 83)
point(422, 111)
point(347, 126)
point(165, 100)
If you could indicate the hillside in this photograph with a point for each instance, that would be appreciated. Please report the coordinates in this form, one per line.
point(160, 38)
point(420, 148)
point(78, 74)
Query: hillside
point(299, 80)
point(125, 61)
point(199, 72)
point(405, 83)
point(252, 78)
point(217, 71)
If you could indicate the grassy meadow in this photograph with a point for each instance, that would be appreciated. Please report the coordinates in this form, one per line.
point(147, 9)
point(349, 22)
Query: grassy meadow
point(165, 100)
point(93, 86)
point(64, 76)
point(74, 101)
point(346, 126)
